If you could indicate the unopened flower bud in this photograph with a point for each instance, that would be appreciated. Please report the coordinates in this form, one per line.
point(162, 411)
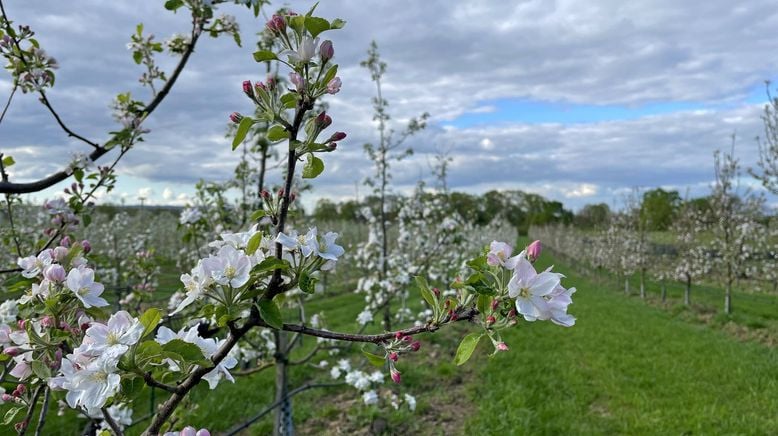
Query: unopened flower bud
point(490, 320)
point(260, 86)
point(452, 315)
point(337, 136)
point(65, 242)
point(297, 81)
point(333, 86)
point(20, 388)
point(247, 88)
point(74, 187)
point(271, 83)
point(436, 291)
point(86, 246)
point(393, 356)
point(55, 273)
point(415, 346)
point(512, 313)
point(533, 251)
point(333, 146)
point(323, 121)
point(11, 351)
point(398, 335)
point(276, 24)
point(395, 375)
point(326, 51)
point(188, 431)
point(203, 432)
point(21, 425)
point(292, 197)
point(59, 253)
point(6, 398)
point(408, 339)
point(47, 321)
point(280, 192)
point(502, 346)
point(236, 117)
point(265, 194)
point(495, 303)
point(21, 323)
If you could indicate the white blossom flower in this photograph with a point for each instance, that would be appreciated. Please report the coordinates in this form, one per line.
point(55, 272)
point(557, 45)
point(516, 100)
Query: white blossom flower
point(190, 215)
point(8, 311)
point(116, 337)
point(364, 317)
point(410, 400)
point(92, 385)
point(370, 398)
point(82, 282)
point(33, 265)
point(229, 267)
point(529, 289)
point(305, 51)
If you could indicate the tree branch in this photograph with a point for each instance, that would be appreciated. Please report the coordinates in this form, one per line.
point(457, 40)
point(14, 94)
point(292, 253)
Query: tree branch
point(111, 422)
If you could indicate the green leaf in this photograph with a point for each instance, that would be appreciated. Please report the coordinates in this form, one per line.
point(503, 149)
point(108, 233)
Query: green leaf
point(337, 23)
point(148, 351)
point(466, 348)
point(243, 130)
point(306, 283)
point(277, 133)
point(189, 352)
point(40, 369)
point(426, 293)
point(253, 243)
point(270, 312)
point(289, 100)
point(270, 264)
point(478, 264)
point(172, 5)
point(257, 215)
point(264, 56)
point(484, 303)
point(8, 161)
point(297, 23)
point(330, 74)
point(137, 57)
point(313, 167)
point(10, 415)
point(374, 359)
point(316, 25)
point(149, 320)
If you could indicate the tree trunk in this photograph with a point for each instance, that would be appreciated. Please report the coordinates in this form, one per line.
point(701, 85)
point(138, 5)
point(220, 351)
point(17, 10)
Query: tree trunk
point(687, 293)
point(626, 286)
point(728, 299)
point(643, 284)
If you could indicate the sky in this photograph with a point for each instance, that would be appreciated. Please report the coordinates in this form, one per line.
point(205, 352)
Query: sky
point(578, 101)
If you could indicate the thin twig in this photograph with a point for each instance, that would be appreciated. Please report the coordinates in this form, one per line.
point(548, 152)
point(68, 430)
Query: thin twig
point(31, 410)
point(111, 422)
point(8, 103)
point(44, 411)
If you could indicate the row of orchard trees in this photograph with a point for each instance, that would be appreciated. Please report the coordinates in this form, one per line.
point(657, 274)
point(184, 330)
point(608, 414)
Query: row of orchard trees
point(248, 276)
point(728, 239)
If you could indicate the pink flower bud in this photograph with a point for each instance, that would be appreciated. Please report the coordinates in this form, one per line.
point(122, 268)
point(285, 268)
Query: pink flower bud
point(11, 351)
point(395, 375)
point(203, 432)
point(236, 117)
point(533, 251)
point(393, 356)
point(512, 313)
point(47, 321)
point(20, 388)
point(502, 346)
point(398, 335)
point(65, 242)
point(86, 246)
point(247, 88)
point(74, 187)
point(276, 24)
point(280, 192)
point(292, 197)
point(333, 86)
point(408, 339)
point(436, 291)
point(337, 136)
point(6, 398)
point(21, 425)
point(415, 346)
point(265, 194)
point(452, 315)
point(59, 253)
point(495, 303)
point(188, 431)
point(21, 323)
point(332, 146)
point(323, 121)
point(490, 320)
point(260, 86)
point(297, 81)
point(55, 273)
point(271, 83)
point(326, 51)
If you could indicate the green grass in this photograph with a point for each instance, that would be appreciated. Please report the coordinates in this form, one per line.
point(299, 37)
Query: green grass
point(625, 368)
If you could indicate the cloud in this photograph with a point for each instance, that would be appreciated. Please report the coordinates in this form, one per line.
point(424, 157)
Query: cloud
point(609, 54)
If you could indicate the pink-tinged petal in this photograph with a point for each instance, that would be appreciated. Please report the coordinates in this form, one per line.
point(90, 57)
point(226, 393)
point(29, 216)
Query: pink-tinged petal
point(524, 269)
point(526, 308)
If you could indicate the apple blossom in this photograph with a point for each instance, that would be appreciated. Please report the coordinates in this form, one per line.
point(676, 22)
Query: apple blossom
point(529, 289)
point(82, 282)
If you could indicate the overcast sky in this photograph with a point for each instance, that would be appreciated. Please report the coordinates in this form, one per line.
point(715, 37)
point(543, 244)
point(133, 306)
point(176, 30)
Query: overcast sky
point(578, 101)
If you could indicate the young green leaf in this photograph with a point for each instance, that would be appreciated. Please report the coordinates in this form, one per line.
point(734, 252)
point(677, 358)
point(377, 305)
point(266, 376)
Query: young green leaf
point(277, 133)
point(313, 167)
point(8, 161)
point(270, 312)
point(243, 130)
point(466, 348)
point(253, 243)
point(374, 359)
point(316, 25)
point(264, 56)
point(149, 320)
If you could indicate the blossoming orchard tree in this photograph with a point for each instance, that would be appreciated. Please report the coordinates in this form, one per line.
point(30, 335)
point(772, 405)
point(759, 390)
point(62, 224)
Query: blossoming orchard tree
point(61, 340)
